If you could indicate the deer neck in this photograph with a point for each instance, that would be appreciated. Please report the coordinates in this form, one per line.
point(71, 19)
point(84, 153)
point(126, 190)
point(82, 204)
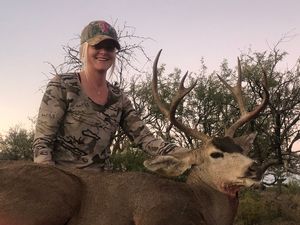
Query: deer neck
point(219, 208)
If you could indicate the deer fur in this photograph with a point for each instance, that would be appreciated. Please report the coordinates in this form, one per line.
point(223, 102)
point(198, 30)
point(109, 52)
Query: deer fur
point(33, 194)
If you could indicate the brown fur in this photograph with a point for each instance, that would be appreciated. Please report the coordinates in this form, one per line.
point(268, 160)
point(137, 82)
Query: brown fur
point(42, 195)
point(33, 194)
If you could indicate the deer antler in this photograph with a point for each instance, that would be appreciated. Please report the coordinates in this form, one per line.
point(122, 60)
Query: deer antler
point(236, 91)
point(170, 113)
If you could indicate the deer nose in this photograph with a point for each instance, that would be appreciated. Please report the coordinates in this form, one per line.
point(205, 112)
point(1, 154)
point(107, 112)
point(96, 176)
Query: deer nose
point(253, 171)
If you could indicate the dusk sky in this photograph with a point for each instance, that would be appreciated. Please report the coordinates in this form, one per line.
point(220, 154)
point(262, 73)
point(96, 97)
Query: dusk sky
point(34, 31)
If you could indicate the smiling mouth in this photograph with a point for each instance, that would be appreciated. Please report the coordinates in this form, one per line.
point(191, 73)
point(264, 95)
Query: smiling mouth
point(102, 59)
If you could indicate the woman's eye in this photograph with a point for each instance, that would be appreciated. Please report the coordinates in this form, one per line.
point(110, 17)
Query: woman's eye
point(109, 48)
point(217, 155)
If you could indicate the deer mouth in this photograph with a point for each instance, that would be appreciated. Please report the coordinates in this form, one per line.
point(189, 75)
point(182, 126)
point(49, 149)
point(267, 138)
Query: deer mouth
point(250, 181)
point(231, 189)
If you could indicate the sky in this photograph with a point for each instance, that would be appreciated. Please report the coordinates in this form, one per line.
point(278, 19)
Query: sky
point(33, 33)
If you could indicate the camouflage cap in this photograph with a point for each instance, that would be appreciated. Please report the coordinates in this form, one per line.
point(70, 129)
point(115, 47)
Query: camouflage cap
point(97, 31)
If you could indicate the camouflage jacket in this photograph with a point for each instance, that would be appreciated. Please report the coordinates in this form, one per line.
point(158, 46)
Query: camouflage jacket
point(74, 131)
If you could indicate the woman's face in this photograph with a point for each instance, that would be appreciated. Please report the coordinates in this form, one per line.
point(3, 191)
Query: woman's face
point(101, 56)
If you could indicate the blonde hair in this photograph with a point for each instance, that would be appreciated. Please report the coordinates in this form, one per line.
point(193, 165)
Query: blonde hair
point(83, 50)
point(83, 55)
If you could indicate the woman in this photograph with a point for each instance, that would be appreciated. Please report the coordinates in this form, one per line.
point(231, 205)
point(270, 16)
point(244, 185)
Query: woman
point(81, 112)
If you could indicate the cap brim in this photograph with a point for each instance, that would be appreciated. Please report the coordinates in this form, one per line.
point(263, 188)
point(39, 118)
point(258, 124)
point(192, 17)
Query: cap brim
point(99, 38)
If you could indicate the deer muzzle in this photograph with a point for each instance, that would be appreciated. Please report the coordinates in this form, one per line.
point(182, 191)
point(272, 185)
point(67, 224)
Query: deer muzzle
point(253, 172)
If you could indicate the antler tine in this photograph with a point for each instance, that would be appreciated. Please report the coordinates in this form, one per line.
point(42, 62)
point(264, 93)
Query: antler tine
point(182, 91)
point(170, 114)
point(162, 107)
point(236, 91)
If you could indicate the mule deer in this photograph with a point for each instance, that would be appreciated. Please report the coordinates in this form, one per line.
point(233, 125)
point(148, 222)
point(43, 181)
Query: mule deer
point(32, 194)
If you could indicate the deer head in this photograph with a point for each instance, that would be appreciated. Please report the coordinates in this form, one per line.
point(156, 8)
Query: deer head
point(221, 162)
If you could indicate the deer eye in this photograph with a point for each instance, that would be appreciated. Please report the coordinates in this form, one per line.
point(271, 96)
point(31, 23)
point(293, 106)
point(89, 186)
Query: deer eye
point(217, 155)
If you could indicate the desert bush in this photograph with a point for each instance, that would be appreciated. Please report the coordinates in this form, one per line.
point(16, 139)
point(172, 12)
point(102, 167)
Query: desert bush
point(269, 208)
point(252, 210)
point(129, 160)
point(17, 144)
point(293, 187)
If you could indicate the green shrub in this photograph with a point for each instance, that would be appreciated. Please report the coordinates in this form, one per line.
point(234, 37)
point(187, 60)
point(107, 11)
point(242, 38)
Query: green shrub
point(270, 208)
point(254, 211)
point(129, 160)
point(293, 187)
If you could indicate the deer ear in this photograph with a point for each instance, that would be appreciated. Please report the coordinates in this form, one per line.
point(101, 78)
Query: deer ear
point(246, 142)
point(170, 165)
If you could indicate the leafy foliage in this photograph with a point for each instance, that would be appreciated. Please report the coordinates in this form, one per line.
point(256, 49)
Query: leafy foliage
point(17, 145)
point(129, 160)
point(266, 207)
